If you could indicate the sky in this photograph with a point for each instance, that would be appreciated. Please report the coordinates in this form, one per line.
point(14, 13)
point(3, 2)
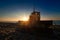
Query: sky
point(14, 10)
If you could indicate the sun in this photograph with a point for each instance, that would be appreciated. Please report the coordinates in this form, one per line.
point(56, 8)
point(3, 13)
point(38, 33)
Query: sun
point(24, 18)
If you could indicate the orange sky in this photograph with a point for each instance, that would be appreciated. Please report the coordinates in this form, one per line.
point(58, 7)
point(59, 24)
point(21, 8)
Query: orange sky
point(24, 18)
